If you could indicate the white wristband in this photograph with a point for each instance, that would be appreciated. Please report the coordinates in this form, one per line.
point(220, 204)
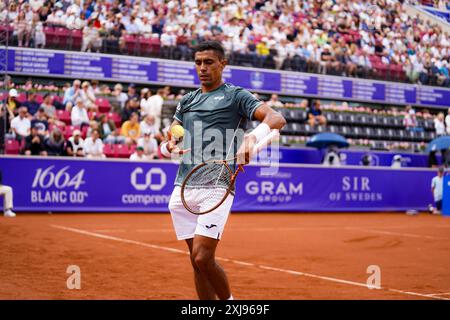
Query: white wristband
point(261, 131)
point(164, 151)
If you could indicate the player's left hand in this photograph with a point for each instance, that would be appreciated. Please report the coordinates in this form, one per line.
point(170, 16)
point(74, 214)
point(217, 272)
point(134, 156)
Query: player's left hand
point(245, 150)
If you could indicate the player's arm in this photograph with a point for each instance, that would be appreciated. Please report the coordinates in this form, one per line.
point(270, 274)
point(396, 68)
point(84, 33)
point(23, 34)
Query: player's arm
point(270, 119)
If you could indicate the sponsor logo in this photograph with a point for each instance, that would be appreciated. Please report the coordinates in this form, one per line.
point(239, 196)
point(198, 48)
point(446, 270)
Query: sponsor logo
point(49, 186)
point(151, 179)
point(219, 98)
point(356, 188)
point(274, 191)
point(210, 226)
point(154, 179)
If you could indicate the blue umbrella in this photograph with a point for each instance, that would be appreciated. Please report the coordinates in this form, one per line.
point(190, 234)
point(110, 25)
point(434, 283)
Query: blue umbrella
point(441, 143)
point(325, 139)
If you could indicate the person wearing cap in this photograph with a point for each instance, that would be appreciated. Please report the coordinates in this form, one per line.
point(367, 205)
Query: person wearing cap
point(21, 125)
point(145, 94)
point(132, 92)
point(396, 161)
point(437, 186)
point(12, 102)
point(7, 193)
point(138, 154)
point(149, 145)
point(74, 146)
point(120, 98)
point(34, 143)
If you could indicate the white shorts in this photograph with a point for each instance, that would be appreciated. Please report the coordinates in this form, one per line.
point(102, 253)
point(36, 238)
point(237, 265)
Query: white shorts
point(187, 224)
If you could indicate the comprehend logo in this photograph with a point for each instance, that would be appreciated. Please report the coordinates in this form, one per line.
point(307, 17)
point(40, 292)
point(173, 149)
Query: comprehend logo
point(149, 179)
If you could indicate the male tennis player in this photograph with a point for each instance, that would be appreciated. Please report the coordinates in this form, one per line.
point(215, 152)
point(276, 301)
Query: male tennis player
point(215, 109)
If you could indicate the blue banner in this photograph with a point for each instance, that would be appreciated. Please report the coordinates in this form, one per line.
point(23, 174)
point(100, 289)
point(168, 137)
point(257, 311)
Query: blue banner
point(39, 62)
point(71, 185)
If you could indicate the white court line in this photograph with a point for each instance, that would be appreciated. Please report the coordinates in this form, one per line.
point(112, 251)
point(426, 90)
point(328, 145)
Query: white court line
point(153, 246)
point(410, 235)
point(440, 294)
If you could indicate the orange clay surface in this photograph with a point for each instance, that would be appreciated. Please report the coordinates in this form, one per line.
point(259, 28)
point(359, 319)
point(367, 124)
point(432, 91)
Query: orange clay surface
point(266, 256)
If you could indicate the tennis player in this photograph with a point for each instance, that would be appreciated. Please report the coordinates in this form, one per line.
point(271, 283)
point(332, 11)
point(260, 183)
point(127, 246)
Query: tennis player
point(217, 108)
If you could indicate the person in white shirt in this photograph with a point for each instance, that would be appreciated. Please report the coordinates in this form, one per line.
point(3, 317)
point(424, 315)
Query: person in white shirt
point(21, 125)
point(145, 95)
point(437, 186)
point(93, 146)
point(149, 145)
point(155, 104)
point(79, 115)
point(447, 121)
point(138, 155)
point(439, 124)
point(77, 143)
point(149, 125)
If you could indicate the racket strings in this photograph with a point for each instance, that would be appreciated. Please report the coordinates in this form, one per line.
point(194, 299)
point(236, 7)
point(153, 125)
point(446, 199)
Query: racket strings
point(212, 182)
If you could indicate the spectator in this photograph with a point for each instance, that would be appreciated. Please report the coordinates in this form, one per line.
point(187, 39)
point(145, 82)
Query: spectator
point(138, 155)
point(21, 125)
point(31, 103)
point(120, 98)
point(315, 116)
point(88, 97)
point(49, 108)
point(149, 145)
point(71, 94)
point(131, 129)
point(155, 104)
point(148, 125)
point(55, 143)
point(79, 115)
point(23, 28)
point(12, 102)
point(74, 146)
point(34, 144)
point(39, 36)
point(410, 120)
point(132, 106)
point(437, 186)
point(447, 121)
point(40, 121)
point(7, 193)
point(131, 93)
point(145, 95)
point(91, 38)
point(108, 132)
point(439, 124)
point(93, 146)
point(274, 102)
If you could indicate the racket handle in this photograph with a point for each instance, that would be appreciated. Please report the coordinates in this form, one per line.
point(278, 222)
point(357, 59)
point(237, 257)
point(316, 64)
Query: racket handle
point(273, 135)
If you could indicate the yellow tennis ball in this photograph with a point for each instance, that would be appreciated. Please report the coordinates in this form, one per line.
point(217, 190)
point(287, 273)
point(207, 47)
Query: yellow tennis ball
point(177, 131)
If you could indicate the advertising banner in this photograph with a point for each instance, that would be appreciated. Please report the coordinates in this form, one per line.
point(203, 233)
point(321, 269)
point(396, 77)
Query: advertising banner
point(72, 185)
point(40, 62)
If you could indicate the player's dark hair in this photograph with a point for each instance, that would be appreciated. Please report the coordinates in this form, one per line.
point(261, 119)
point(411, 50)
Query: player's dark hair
point(215, 46)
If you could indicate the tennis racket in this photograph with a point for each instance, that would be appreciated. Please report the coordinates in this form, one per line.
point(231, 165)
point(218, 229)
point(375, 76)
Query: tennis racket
point(208, 184)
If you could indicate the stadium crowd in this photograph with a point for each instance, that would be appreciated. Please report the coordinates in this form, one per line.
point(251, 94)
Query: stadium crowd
point(93, 120)
point(373, 38)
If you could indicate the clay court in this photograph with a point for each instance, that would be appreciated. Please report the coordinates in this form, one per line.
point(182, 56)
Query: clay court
point(266, 256)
